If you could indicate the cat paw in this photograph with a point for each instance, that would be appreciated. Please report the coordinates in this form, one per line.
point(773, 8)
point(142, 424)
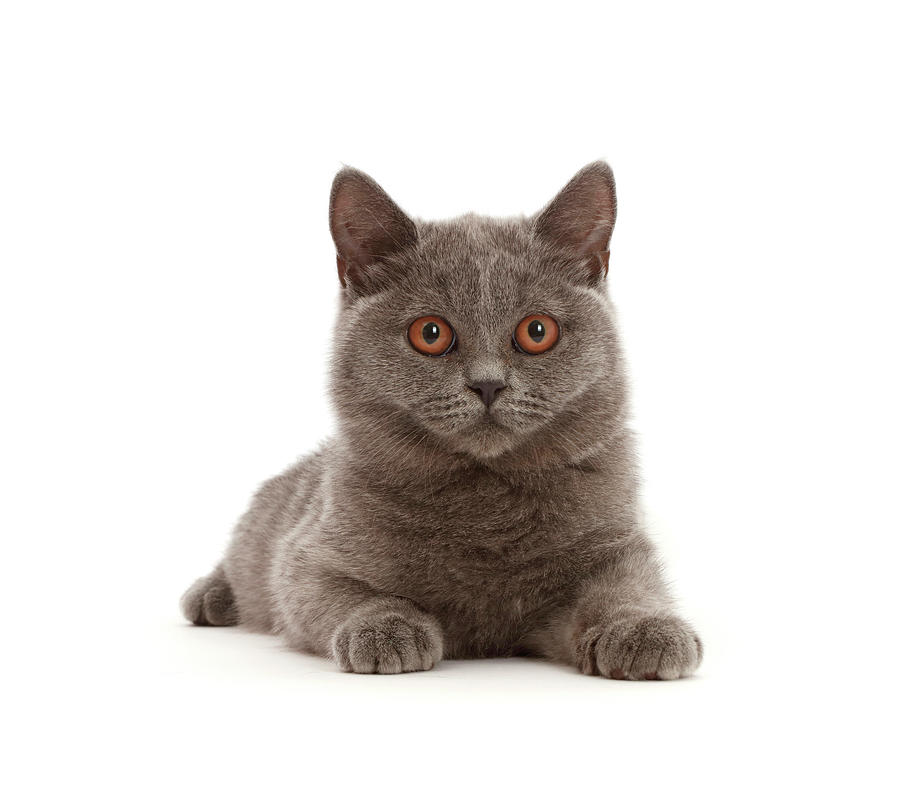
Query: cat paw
point(387, 643)
point(641, 647)
point(210, 602)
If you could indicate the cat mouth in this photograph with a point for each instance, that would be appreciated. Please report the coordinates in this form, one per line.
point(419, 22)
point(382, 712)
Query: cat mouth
point(481, 433)
point(493, 426)
point(493, 421)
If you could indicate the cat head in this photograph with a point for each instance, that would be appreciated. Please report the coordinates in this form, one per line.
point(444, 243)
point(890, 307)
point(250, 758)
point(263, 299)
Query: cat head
point(489, 339)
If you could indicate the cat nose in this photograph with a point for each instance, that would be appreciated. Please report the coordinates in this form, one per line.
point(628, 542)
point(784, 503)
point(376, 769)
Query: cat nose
point(488, 389)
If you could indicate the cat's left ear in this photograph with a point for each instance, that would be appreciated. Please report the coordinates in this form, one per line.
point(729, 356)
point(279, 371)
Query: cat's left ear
point(367, 226)
point(581, 217)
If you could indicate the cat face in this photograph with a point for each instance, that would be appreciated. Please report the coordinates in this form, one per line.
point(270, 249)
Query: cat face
point(483, 335)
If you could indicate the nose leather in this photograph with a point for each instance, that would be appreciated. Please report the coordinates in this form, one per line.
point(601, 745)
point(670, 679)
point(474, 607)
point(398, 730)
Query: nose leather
point(488, 389)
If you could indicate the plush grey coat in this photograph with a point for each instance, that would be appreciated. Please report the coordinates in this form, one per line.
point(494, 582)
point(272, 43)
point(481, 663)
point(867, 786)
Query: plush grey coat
point(474, 503)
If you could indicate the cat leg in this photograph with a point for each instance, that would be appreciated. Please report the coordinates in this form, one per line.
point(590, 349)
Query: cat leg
point(210, 601)
point(362, 630)
point(622, 625)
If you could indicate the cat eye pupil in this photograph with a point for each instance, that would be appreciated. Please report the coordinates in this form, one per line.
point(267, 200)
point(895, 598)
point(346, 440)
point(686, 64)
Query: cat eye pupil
point(536, 330)
point(430, 332)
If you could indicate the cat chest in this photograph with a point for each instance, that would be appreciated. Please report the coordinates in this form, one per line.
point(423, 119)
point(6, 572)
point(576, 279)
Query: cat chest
point(500, 555)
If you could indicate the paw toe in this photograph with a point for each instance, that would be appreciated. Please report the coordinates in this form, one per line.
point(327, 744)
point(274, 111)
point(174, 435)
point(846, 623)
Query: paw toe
point(219, 608)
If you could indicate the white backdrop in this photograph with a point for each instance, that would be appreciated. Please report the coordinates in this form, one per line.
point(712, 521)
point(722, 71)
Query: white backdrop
point(168, 290)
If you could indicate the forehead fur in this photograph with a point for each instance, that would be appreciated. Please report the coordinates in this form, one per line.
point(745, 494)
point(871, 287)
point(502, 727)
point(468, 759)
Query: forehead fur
point(480, 263)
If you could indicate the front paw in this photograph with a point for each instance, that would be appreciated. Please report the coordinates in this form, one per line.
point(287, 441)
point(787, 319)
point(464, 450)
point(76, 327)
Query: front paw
point(387, 643)
point(641, 647)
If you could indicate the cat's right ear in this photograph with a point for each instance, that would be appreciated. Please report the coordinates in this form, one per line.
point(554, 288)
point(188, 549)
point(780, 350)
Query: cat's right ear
point(367, 226)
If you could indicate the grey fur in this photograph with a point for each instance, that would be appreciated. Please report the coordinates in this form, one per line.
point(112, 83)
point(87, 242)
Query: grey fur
point(433, 526)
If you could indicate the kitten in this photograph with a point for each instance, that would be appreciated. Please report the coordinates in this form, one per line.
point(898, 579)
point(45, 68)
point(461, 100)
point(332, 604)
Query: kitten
point(480, 497)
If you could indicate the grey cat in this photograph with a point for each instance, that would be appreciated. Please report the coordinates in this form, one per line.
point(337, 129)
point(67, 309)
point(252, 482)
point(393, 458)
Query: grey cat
point(480, 498)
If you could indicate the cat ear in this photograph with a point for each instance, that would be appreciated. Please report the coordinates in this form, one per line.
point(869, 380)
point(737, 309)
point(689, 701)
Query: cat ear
point(581, 217)
point(366, 226)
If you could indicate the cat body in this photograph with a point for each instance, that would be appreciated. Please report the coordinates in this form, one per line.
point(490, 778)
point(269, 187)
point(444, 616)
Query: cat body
point(479, 498)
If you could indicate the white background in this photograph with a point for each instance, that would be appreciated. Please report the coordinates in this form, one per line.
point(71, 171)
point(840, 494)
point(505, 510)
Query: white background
point(168, 290)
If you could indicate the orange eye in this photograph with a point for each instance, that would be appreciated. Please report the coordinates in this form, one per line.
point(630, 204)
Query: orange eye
point(535, 334)
point(431, 335)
